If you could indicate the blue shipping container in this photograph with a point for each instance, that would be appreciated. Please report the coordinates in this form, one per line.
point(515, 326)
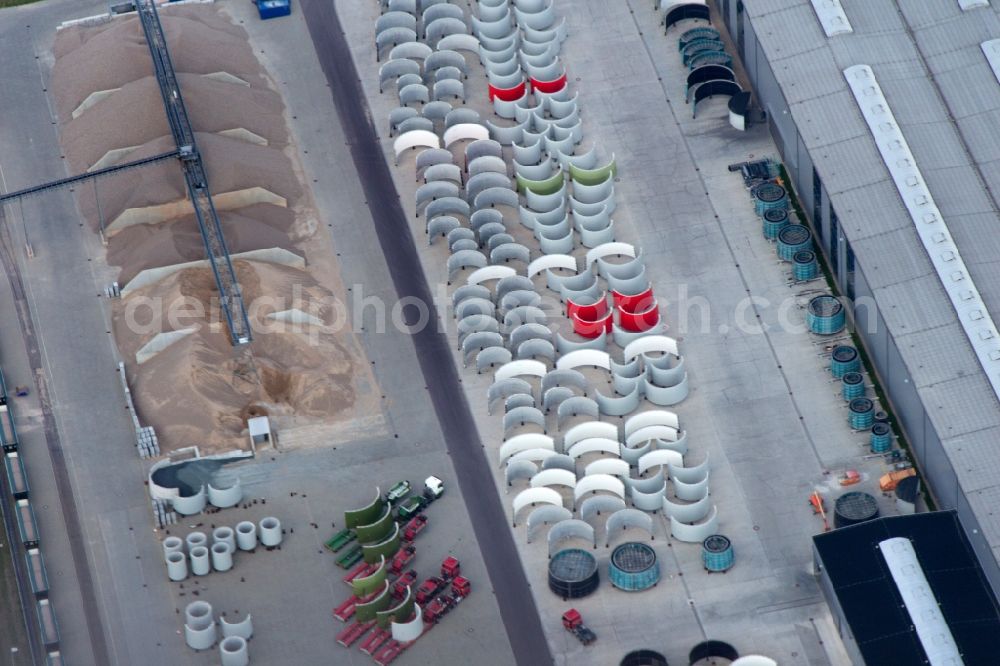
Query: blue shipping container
point(271, 8)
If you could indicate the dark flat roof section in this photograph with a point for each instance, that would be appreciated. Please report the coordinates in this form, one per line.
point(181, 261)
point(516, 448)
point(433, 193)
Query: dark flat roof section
point(873, 606)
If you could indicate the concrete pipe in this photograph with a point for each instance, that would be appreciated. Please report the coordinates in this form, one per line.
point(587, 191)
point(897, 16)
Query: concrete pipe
point(224, 498)
point(270, 531)
point(196, 539)
point(233, 651)
point(198, 614)
point(199, 561)
point(177, 568)
point(225, 535)
point(246, 535)
point(173, 544)
point(200, 639)
point(222, 556)
point(243, 628)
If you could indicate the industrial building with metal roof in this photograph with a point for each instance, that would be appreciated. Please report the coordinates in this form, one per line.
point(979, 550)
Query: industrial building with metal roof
point(936, 606)
point(886, 116)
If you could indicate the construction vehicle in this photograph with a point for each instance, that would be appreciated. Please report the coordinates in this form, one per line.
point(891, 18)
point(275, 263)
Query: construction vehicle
point(398, 491)
point(402, 557)
point(360, 571)
point(889, 481)
point(339, 540)
point(414, 527)
point(573, 623)
point(353, 632)
point(350, 558)
point(403, 582)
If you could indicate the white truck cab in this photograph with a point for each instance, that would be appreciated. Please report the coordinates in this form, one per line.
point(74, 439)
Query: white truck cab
point(433, 487)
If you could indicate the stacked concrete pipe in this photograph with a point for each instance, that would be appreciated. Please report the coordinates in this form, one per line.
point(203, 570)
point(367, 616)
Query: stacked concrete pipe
point(226, 535)
point(199, 625)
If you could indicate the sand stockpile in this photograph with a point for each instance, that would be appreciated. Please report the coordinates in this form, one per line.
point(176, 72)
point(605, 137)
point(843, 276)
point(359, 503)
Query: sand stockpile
point(91, 59)
point(178, 241)
point(231, 165)
point(134, 115)
point(199, 390)
point(189, 383)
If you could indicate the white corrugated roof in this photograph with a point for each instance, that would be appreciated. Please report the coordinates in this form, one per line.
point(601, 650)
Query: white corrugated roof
point(933, 631)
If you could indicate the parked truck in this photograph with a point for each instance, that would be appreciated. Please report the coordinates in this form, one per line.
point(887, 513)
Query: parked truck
point(402, 558)
point(573, 623)
point(400, 584)
point(430, 588)
point(414, 505)
point(414, 527)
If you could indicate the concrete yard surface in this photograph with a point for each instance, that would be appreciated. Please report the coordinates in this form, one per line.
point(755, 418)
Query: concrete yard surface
point(763, 408)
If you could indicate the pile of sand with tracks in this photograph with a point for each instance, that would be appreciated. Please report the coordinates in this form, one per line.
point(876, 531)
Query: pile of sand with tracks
point(194, 387)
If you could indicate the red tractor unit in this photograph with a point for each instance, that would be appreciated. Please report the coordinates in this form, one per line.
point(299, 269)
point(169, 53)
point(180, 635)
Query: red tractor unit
point(429, 589)
point(460, 587)
point(403, 582)
point(402, 557)
point(438, 608)
point(573, 623)
point(414, 527)
point(450, 567)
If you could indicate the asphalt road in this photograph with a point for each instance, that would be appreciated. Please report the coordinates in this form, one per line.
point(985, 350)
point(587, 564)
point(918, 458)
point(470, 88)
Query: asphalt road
point(517, 607)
